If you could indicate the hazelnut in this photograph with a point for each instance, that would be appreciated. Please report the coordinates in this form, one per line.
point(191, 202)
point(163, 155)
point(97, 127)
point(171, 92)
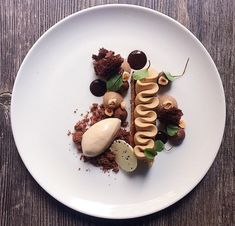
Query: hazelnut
point(108, 112)
point(123, 105)
point(124, 88)
point(162, 79)
point(112, 100)
point(125, 66)
point(121, 114)
point(182, 124)
point(166, 102)
point(125, 76)
point(178, 138)
point(112, 103)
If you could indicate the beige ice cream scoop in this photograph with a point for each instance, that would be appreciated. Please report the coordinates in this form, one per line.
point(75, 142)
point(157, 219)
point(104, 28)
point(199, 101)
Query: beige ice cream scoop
point(99, 136)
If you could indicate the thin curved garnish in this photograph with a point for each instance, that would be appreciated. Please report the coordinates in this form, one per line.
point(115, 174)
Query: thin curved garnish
point(171, 77)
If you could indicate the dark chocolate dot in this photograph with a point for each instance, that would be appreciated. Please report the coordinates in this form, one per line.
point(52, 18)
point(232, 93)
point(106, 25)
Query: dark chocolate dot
point(98, 87)
point(162, 136)
point(137, 59)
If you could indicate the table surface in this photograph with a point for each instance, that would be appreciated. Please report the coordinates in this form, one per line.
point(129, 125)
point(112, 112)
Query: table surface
point(24, 202)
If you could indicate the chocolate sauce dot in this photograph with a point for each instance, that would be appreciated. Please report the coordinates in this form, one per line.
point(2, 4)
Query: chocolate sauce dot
point(161, 136)
point(137, 59)
point(98, 87)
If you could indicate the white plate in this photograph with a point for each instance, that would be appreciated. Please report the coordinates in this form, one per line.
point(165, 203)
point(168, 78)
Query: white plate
point(54, 80)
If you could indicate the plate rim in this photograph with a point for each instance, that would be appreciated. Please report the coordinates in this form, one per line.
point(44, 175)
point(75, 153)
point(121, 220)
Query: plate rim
point(109, 215)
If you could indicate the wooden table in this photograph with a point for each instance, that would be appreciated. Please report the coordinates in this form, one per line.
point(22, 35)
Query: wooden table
point(24, 202)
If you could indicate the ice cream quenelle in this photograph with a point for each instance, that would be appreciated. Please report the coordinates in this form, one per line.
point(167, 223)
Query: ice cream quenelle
point(99, 136)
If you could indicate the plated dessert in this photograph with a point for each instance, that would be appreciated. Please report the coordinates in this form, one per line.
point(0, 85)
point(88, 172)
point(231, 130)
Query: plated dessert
point(104, 136)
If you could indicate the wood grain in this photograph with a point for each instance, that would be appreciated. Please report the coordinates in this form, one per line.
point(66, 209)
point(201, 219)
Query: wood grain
point(23, 201)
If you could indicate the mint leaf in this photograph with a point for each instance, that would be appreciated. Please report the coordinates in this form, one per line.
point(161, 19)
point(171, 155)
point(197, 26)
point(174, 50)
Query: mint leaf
point(140, 74)
point(171, 130)
point(114, 83)
point(149, 153)
point(159, 145)
point(170, 77)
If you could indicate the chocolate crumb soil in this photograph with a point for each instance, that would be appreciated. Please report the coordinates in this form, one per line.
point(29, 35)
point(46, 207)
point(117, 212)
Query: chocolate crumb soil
point(106, 160)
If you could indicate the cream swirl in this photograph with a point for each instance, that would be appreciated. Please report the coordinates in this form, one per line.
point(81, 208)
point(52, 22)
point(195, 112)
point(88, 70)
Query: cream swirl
point(145, 116)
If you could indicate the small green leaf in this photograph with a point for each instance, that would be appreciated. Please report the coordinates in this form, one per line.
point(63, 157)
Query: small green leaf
point(149, 153)
point(114, 83)
point(159, 145)
point(172, 130)
point(170, 77)
point(140, 74)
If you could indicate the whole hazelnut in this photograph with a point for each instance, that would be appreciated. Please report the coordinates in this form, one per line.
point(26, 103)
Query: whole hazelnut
point(124, 88)
point(178, 138)
point(182, 123)
point(121, 114)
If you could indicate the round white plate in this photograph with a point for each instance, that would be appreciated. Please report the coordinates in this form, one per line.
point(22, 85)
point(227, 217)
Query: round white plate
point(53, 81)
